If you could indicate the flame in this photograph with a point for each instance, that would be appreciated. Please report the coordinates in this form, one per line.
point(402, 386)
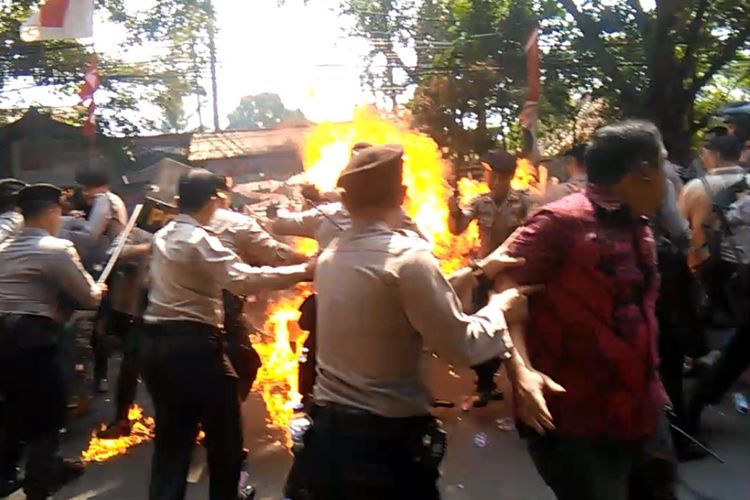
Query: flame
point(277, 379)
point(526, 176)
point(326, 152)
point(142, 430)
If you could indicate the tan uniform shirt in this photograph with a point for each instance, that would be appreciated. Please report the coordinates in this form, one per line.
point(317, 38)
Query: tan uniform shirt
point(35, 268)
point(190, 268)
point(325, 223)
point(696, 206)
point(496, 221)
point(381, 300)
point(10, 224)
point(244, 236)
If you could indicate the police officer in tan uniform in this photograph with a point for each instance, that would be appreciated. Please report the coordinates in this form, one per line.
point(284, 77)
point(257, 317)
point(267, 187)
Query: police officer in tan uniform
point(498, 213)
point(244, 236)
point(186, 371)
point(35, 268)
point(11, 221)
point(381, 301)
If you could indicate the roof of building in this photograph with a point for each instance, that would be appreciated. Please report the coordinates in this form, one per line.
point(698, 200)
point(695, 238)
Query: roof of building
point(238, 143)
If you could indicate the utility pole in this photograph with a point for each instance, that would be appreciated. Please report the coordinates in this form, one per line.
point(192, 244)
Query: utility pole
point(212, 58)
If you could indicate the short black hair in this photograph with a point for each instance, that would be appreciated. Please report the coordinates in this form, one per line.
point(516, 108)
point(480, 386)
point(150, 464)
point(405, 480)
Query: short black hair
point(728, 147)
point(577, 152)
point(92, 177)
point(615, 150)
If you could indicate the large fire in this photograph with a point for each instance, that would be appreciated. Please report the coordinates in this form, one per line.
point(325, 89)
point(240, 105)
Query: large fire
point(142, 430)
point(277, 379)
point(326, 152)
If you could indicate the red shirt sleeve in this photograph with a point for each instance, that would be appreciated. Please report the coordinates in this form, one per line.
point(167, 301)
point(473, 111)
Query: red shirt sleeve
point(542, 242)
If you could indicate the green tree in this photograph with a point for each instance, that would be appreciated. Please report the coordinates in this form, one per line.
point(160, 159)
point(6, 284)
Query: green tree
point(654, 64)
point(665, 64)
point(59, 65)
point(262, 111)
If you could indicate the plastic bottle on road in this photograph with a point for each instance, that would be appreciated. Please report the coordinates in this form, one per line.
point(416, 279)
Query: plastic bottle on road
point(480, 440)
point(740, 403)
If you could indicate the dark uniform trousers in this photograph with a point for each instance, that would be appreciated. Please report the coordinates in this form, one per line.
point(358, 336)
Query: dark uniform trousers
point(191, 383)
point(127, 329)
point(485, 371)
point(351, 454)
point(245, 359)
point(308, 364)
point(32, 385)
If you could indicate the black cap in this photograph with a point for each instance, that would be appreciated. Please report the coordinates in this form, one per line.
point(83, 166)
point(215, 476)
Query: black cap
point(372, 162)
point(197, 187)
point(500, 161)
point(37, 195)
point(9, 189)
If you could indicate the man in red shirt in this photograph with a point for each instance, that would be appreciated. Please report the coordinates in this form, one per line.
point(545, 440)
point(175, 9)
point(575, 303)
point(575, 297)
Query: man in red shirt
point(593, 329)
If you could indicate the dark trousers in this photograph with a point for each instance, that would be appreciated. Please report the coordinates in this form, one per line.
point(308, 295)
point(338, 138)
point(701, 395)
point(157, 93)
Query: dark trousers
point(33, 386)
point(191, 383)
point(485, 371)
point(577, 468)
point(126, 327)
point(351, 456)
point(732, 362)
point(307, 371)
point(245, 359)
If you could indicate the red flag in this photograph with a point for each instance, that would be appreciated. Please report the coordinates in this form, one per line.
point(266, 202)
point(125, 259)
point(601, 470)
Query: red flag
point(52, 13)
point(90, 81)
point(59, 20)
point(532, 65)
point(89, 126)
point(530, 111)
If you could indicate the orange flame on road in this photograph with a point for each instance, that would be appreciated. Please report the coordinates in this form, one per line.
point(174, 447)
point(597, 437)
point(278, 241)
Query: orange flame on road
point(142, 430)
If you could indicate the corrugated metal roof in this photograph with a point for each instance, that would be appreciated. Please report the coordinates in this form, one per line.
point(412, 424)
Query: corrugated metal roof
point(238, 143)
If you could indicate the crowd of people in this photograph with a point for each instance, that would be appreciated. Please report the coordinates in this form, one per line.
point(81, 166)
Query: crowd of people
point(595, 298)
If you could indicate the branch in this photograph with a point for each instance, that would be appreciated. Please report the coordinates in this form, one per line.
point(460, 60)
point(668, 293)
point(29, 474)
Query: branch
point(591, 33)
point(728, 52)
point(692, 38)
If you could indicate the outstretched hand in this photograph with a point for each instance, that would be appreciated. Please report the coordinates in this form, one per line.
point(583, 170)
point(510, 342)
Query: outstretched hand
point(529, 388)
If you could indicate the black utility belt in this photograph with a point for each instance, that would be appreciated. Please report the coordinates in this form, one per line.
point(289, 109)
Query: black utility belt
point(358, 421)
point(423, 437)
point(179, 327)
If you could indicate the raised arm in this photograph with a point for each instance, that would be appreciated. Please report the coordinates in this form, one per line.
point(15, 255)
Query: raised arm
point(65, 268)
point(301, 224)
point(242, 279)
point(434, 310)
point(257, 246)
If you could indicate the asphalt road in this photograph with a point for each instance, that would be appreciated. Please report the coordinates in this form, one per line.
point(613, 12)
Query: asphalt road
point(501, 470)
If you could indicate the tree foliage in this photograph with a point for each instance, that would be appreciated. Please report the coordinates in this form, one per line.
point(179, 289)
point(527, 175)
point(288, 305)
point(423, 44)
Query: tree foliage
point(180, 27)
point(465, 60)
point(263, 111)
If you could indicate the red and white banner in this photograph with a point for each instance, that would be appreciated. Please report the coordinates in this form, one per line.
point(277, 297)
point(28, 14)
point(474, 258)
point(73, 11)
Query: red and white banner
point(530, 111)
point(60, 19)
point(90, 81)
